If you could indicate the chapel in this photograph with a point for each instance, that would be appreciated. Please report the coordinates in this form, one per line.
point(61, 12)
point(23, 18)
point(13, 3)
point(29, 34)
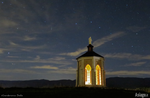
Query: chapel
point(90, 69)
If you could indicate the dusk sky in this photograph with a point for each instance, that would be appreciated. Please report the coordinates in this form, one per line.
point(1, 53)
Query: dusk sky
point(41, 39)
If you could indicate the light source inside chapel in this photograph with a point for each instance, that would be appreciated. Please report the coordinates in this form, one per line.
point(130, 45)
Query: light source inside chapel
point(88, 74)
point(98, 75)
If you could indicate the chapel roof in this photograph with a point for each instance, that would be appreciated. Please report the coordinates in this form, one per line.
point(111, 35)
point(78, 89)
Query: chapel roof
point(90, 52)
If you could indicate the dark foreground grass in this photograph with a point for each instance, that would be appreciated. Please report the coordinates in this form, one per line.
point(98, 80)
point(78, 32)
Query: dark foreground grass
point(68, 92)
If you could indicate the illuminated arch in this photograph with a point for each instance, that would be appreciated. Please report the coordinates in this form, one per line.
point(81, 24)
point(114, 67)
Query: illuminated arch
point(88, 74)
point(98, 75)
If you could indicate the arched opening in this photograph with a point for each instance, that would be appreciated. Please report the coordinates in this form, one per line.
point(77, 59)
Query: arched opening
point(88, 74)
point(98, 75)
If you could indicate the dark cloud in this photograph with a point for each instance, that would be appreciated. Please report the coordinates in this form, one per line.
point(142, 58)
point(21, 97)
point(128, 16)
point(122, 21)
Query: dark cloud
point(136, 28)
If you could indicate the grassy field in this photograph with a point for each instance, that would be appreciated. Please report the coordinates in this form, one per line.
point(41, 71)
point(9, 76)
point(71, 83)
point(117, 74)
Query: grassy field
point(69, 92)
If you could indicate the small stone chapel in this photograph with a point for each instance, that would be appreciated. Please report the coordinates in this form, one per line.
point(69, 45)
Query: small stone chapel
point(90, 69)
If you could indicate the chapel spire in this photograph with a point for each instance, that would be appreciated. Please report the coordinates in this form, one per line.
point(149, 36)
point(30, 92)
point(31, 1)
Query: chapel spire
point(90, 47)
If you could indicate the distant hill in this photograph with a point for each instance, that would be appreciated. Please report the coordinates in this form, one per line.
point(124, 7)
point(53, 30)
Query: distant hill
point(37, 83)
point(117, 82)
point(128, 82)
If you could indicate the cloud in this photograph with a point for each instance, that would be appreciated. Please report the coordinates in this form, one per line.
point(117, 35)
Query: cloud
point(75, 53)
point(128, 73)
point(1, 50)
point(136, 28)
point(29, 48)
point(44, 52)
point(136, 64)
point(103, 40)
point(13, 46)
point(68, 70)
point(74, 60)
point(13, 56)
point(27, 38)
point(17, 71)
point(4, 49)
point(51, 59)
point(55, 60)
point(128, 56)
point(44, 67)
point(7, 23)
point(96, 43)
point(29, 13)
point(37, 57)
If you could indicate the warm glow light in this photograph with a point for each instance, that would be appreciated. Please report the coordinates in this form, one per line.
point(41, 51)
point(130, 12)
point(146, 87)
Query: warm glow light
point(98, 75)
point(88, 74)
